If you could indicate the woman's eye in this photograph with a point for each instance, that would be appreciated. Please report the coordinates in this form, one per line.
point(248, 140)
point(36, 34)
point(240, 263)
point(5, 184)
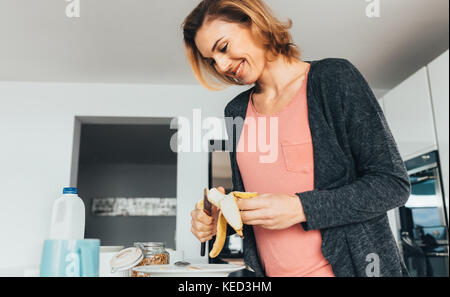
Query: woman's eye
point(224, 49)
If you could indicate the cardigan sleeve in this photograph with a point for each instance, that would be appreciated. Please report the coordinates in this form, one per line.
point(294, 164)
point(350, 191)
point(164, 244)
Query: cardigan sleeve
point(382, 183)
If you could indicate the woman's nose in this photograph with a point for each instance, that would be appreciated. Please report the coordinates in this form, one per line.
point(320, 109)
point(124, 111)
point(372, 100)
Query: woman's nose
point(224, 65)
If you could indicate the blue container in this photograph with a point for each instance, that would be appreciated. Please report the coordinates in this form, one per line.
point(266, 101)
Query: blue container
point(70, 258)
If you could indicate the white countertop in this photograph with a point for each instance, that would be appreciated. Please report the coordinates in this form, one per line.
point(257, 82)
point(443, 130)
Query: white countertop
point(19, 272)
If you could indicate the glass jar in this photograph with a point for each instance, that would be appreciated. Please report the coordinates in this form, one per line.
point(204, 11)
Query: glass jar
point(154, 254)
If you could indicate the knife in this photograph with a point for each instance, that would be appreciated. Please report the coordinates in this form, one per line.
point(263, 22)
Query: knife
point(207, 210)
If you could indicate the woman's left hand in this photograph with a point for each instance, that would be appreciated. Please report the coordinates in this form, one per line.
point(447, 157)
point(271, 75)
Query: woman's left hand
point(272, 211)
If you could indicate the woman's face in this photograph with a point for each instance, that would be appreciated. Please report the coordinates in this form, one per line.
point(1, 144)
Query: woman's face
point(231, 48)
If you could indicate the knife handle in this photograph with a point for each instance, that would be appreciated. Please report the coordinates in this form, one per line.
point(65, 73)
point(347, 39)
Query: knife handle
point(207, 210)
point(202, 249)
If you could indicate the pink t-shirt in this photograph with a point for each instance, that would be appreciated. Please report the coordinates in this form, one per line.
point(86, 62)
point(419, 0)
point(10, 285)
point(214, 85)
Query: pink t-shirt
point(282, 164)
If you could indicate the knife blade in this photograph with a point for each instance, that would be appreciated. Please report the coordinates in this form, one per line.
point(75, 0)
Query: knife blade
point(207, 209)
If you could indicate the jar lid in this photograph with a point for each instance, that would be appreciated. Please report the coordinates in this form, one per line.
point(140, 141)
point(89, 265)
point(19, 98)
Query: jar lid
point(126, 259)
point(144, 245)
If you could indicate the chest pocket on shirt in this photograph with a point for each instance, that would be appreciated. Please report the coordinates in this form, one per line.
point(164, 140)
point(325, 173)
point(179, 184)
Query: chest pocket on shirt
point(298, 157)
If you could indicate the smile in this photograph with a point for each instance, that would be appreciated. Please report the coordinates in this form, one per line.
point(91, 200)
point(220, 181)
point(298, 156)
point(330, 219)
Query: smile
point(238, 73)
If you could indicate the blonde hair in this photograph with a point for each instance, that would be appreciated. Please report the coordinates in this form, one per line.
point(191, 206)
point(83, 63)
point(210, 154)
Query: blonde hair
point(256, 15)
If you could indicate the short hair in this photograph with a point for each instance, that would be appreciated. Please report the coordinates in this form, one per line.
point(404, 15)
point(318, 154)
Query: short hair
point(256, 15)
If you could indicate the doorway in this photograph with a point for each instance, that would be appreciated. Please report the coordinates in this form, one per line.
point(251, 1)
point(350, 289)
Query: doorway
point(125, 172)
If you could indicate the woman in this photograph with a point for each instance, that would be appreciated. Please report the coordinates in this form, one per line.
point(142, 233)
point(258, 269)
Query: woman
point(322, 208)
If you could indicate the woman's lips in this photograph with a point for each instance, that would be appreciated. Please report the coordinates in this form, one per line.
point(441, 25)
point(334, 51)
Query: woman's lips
point(240, 70)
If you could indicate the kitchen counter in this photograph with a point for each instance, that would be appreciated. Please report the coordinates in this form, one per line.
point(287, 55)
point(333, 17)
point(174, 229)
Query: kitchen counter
point(19, 272)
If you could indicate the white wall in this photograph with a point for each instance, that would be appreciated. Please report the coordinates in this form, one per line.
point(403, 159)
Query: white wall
point(37, 123)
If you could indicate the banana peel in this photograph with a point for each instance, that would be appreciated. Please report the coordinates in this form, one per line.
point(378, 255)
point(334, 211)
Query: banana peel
point(221, 236)
point(199, 204)
point(244, 195)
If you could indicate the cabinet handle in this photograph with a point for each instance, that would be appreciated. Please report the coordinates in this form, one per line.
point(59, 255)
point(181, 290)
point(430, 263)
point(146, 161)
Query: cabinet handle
point(426, 157)
point(437, 254)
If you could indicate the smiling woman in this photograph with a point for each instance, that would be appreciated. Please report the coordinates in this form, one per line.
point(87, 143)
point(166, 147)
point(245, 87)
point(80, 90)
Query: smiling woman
point(262, 28)
point(322, 202)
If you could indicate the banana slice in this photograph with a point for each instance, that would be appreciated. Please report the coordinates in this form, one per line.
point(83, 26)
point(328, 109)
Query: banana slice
point(221, 236)
point(231, 212)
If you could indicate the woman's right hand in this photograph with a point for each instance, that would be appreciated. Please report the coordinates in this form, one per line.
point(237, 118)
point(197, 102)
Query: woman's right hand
point(204, 227)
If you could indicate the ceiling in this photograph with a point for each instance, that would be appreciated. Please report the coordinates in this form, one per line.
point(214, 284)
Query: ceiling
point(140, 41)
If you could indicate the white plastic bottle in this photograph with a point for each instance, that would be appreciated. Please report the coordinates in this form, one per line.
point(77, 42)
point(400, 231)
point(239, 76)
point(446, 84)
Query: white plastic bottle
point(68, 217)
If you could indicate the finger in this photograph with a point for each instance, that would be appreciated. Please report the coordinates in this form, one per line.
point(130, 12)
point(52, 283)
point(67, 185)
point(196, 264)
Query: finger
point(257, 202)
point(205, 234)
point(205, 237)
point(257, 223)
point(199, 227)
point(202, 217)
point(252, 215)
point(221, 189)
point(202, 236)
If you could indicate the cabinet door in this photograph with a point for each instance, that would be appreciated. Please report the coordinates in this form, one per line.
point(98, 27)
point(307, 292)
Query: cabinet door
point(392, 214)
point(438, 71)
point(409, 113)
point(380, 101)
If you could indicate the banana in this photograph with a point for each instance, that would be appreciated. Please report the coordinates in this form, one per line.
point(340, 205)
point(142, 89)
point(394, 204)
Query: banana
point(228, 213)
point(228, 205)
point(231, 212)
point(244, 195)
point(221, 236)
point(214, 196)
point(221, 233)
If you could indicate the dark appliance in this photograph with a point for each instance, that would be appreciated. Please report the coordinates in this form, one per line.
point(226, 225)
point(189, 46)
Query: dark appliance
point(423, 220)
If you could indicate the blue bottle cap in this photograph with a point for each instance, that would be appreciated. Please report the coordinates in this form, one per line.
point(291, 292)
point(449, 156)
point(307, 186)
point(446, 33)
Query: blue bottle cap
point(70, 191)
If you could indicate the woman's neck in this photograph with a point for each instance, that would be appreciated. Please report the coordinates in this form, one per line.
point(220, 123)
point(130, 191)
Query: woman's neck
point(278, 75)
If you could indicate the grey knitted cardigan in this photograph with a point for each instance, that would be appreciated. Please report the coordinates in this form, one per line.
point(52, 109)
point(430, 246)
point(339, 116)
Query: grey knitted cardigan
point(358, 173)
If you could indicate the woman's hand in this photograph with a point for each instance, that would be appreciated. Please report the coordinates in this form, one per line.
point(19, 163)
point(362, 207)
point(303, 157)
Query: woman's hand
point(204, 227)
point(272, 211)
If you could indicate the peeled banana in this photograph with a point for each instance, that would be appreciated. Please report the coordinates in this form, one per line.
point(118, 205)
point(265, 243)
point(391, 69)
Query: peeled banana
point(228, 213)
point(231, 212)
point(214, 196)
point(228, 206)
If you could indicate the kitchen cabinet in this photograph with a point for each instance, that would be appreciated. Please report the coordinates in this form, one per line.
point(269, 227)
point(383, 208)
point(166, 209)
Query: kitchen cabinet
point(392, 214)
point(438, 71)
point(380, 101)
point(409, 113)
